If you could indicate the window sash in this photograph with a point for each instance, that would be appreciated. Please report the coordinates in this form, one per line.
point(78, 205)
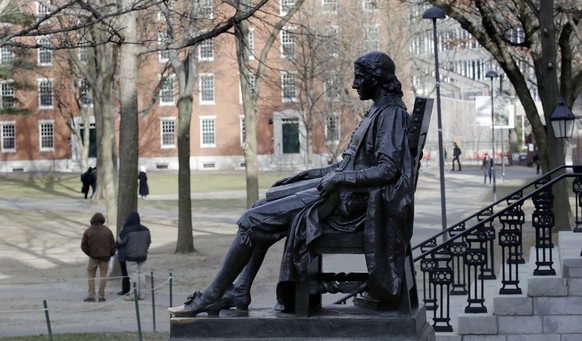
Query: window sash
point(206, 50)
point(207, 132)
point(167, 91)
point(207, 88)
point(8, 94)
point(47, 141)
point(8, 137)
point(288, 87)
point(45, 94)
point(168, 133)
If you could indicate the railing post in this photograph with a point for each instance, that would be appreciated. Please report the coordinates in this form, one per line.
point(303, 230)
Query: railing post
point(475, 258)
point(457, 249)
point(441, 278)
point(543, 221)
point(510, 240)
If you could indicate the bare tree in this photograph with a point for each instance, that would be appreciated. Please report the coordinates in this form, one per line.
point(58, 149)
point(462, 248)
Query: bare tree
point(546, 36)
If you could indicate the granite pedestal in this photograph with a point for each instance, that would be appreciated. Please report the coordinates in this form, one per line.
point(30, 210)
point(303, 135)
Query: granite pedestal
point(337, 322)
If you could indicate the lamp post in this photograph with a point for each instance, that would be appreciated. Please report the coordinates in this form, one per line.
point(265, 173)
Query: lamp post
point(435, 13)
point(492, 74)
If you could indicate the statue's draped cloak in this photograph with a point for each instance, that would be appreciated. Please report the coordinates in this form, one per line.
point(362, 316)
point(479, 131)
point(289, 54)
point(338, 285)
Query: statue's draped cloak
point(380, 166)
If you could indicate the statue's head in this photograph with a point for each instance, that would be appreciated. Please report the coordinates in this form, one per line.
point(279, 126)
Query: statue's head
point(381, 66)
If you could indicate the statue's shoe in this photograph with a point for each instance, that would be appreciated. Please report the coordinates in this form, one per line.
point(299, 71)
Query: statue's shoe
point(195, 304)
point(236, 297)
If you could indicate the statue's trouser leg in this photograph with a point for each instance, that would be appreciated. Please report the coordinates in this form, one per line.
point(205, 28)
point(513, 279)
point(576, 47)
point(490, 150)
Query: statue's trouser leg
point(236, 259)
point(246, 278)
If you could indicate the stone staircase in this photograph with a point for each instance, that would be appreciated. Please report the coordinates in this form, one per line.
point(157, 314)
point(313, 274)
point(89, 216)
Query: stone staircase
point(549, 308)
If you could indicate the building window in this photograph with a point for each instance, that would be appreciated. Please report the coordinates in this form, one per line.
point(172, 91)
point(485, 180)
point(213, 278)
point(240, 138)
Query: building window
point(8, 137)
point(243, 131)
point(331, 39)
point(286, 5)
point(5, 54)
point(251, 42)
point(45, 94)
point(207, 88)
point(372, 38)
point(47, 136)
point(168, 132)
point(288, 87)
point(206, 50)
point(45, 54)
point(163, 55)
point(85, 93)
point(332, 128)
point(370, 5)
point(252, 84)
point(206, 9)
point(42, 10)
point(207, 132)
point(287, 43)
point(7, 94)
point(329, 5)
point(167, 91)
point(332, 87)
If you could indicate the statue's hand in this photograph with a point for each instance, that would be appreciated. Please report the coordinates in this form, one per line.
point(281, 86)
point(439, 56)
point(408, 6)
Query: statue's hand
point(297, 177)
point(329, 182)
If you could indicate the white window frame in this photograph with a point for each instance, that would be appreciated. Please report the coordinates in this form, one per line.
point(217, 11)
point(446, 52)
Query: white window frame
point(252, 83)
point(333, 80)
point(370, 5)
point(372, 38)
point(207, 88)
point(44, 52)
point(287, 76)
point(206, 9)
point(285, 6)
point(206, 50)
point(163, 55)
point(242, 131)
point(329, 6)
point(336, 118)
point(166, 90)
point(85, 93)
point(6, 54)
point(7, 91)
point(4, 137)
point(165, 132)
point(288, 44)
point(251, 42)
point(44, 137)
point(40, 93)
point(331, 40)
point(205, 132)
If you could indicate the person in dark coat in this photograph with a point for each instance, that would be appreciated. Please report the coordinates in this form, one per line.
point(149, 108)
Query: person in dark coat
point(98, 243)
point(134, 241)
point(373, 185)
point(93, 180)
point(86, 181)
point(144, 189)
point(456, 155)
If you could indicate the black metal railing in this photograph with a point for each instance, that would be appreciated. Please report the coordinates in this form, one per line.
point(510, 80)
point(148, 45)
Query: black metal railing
point(464, 259)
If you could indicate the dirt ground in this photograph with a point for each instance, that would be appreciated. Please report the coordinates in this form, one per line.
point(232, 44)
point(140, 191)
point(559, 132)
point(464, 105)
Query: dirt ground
point(41, 260)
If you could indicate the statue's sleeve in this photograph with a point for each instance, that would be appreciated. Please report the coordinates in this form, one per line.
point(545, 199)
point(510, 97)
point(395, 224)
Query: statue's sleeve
point(387, 141)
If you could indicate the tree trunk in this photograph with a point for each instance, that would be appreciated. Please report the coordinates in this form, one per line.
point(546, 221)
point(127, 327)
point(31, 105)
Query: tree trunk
point(185, 241)
point(129, 129)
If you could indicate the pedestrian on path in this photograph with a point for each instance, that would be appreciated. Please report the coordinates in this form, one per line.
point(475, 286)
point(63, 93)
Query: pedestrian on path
point(134, 240)
point(486, 166)
point(456, 154)
point(97, 243)
point(144, 189)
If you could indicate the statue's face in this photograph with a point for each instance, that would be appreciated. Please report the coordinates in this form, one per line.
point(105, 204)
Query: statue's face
point(364, 83)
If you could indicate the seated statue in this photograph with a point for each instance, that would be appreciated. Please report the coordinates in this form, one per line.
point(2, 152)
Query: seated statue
point(373, 184)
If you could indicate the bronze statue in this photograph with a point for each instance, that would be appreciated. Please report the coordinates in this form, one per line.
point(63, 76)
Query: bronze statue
point(371, 188)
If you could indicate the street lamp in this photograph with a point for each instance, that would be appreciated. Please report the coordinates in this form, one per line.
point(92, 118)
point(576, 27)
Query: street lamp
point(435, 13)
point(562, 120)
point(492, 74)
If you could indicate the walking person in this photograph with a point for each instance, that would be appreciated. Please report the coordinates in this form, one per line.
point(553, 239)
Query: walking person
point(486, 166)
point(135, 240)
point(93, 180)
point(456, 154)
point(97, 243)
point(144, 189)
point(86, 181)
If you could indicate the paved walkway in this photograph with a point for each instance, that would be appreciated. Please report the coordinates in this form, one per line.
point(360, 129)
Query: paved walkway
point(465, 193)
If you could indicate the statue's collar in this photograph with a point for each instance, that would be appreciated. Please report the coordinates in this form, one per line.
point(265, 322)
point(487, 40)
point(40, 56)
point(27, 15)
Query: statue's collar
point(387, 100)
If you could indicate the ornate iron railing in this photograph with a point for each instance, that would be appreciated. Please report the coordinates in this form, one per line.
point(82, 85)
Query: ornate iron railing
point(464, 259)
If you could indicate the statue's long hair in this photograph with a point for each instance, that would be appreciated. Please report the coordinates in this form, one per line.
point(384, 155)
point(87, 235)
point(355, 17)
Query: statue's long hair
point(381, 66)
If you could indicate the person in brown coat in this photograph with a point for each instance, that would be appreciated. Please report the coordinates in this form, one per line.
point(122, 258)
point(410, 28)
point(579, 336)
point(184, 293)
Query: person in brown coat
point(98, 243)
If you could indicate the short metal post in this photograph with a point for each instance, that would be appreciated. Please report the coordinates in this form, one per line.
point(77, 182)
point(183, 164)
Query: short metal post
point(153, 299)
point(48, 320)
point(171, 282)
point(135, 299)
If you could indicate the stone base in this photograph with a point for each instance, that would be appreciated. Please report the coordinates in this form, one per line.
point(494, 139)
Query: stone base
point(339, 322)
